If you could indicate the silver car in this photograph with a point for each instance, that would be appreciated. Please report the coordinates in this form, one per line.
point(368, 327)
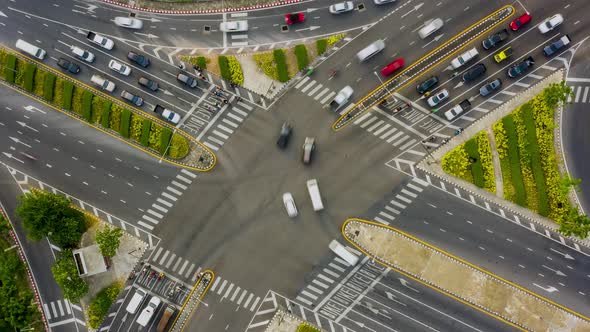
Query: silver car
point(136, 100)
point(490, 87)
point(290, 205)
point(308, 147)
point(341, 7)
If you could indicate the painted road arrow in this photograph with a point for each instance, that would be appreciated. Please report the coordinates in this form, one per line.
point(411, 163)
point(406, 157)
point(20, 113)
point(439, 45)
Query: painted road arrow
point(149, 35)
point(458, 85)
point(416, 7)
point(435, 39)
point(549, 289)
point(166, 92)
point(472, 98)
point(16, 140)
point(567, 256)
point(10, 156)
point(309, 10)
point(33, 108)
point(559, 273)
point(311, 28)
point(24, 125)
point(406, 283)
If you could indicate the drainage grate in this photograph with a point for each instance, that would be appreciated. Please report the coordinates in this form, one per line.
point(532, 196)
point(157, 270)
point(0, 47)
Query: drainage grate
point(361, 7)
point(284, 28)
point(207, 28)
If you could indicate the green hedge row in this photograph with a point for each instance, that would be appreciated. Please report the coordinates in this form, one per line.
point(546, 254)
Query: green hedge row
point(87, 105)
point(48, 87)
point(533, 149)
point(281, 62)
point(224, 67)
point(68, 95)
point(10, 68)
point(28, 76)
point(514, 158)
point(321, 46)
point(302, 57)
point(476, 168)
point(99, 307)
point(93, 109)
point(125, 123)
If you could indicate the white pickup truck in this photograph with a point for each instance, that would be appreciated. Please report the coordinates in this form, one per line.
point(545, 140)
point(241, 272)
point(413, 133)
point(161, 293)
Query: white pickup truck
point(101, 41)
point(341, 98)
point(464, 58)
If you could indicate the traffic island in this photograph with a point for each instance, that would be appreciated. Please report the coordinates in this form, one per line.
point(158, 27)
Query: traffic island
point(287, 322)
point(461, 280)
point(193, 300)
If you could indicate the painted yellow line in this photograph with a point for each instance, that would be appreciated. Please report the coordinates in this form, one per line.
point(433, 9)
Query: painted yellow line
point(456, 258)
point(110, 98)
point(429, 68)
point(189, 296)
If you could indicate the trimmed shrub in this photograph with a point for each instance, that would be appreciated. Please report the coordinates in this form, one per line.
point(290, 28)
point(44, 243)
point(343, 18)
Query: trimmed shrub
point(105, 118)
point(265, 61)
point(29, 76)
point(145, 132)
point(321, 45)
point(3, 55)
point(20, 72)
point(224, 67)
point(58, 92)
point(125, 123)
point(475, 160)
point(178, 147)
point(335, 38)
point(281, 63)
point(201, 61)
point(97, 109)
point(136, 127)
point(456, 162)
point(155, 132)
point(115, 118)
point(39, 82)
point(10, 68)
point(99, 307)
point(525, 162)
point(48, 86)
point(87, 105)
point(165, 136)
point(302, 58)
point(305, 327)
point(520, 196)
point(237, 76)
point(485, 155)
point(68, 91)
point(532, 148)
point(77, 100)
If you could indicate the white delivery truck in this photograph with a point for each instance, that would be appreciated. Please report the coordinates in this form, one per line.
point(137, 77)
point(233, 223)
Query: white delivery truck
point(314, 194)
point(343, 253)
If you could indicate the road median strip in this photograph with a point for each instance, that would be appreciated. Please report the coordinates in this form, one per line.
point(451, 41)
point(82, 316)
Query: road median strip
point(424, 65)
point(461, 280)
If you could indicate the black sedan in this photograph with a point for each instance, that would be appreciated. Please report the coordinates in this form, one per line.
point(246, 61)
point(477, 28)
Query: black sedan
point(427, 85)
point(521, 67)
point(68, 65)
point(139, 59)
point(475, 72)
point(495, 39)
point(284, 135)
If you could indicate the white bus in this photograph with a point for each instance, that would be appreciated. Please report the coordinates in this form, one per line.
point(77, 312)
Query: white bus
point(314, 194)
point(343, 253)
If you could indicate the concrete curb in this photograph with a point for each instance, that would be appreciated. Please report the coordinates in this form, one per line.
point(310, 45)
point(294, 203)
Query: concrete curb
point(210, 11)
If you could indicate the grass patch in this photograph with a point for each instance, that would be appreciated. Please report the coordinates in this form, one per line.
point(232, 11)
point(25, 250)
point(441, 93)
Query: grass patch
point(224, 67)
point(87, 105)
point(68, 92)
point(321, 46)
point(48, 86)
point(125, 122)
point(145, 132)
point(39, 82)
point(281, 63)
point(10, 68)
point(29, 76)
point(165, 136)
point(105, 118)
point(302, 57)
point(476, 168)
point(520, 196)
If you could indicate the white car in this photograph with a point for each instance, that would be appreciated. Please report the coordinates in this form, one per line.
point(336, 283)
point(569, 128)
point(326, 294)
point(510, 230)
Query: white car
point(550, 23)
point(464, 58)
point(129, 22)
point(290, 205)
point(171, 116)
point(341, 7)
point(439, 97)
point(119, 67)
point(83, 54)
point(233, 26)
point(103, 83)
point(380, 2)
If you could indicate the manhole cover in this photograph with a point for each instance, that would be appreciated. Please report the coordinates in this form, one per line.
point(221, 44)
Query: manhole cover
point(207, 28)
point(361, 7)
point(284, 28)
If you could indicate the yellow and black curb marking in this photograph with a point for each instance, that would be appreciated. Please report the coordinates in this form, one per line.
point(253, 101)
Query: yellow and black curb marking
point(350, 238)
point(422, 66)
point(187, 312)
point(71, 114)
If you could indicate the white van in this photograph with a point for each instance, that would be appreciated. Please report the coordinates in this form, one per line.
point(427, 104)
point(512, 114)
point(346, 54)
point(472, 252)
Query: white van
point(369, 51)
point(31, 49)
point(314, 194)
point(343, 253)
point(135, 301)
point(430, 27)
point(148, 312)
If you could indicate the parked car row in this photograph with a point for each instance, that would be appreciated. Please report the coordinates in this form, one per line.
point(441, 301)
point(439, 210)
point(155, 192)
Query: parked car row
point(479, 69)
point(148, 312)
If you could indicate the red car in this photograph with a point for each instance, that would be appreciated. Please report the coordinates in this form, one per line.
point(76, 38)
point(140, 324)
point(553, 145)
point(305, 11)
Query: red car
point(520, 22)
point(392, 67)
point(294, 18)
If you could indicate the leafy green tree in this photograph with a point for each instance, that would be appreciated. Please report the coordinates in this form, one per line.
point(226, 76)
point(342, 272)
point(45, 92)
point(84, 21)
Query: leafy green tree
point(99, 307)
point(557, 93)
point(109, 239)
point(4, 225)
point(48, 214)
point(575, 224)
point(10, 265)
point(66, 276)
point(567, 183)
point(17, 308)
